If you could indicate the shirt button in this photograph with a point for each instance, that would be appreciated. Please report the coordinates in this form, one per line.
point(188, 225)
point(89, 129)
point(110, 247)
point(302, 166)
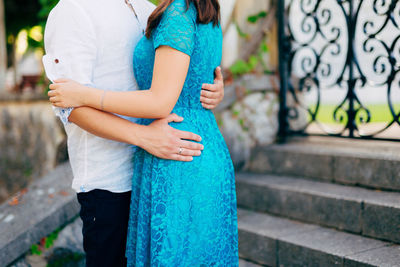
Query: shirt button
point(56, 61)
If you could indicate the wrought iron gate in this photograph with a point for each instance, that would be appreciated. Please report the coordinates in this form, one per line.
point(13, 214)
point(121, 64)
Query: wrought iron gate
point(339, 68)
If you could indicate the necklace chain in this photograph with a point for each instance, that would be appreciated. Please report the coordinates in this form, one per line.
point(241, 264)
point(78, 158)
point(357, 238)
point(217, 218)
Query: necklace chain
point(129, 4)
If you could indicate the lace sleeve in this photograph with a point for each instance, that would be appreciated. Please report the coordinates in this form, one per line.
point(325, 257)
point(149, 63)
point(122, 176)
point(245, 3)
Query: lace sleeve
point(177, 28)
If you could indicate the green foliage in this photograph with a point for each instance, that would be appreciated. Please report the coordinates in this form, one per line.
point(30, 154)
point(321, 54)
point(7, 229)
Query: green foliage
point(20, 14)
point(379, 113)
point(35, 250)
point(241, 67)
point(51, 238)
point(45, 243)
point(28, 171)
point(241, 122)
point(241, 33)
point(26, 15)
point(254, 18)
point(264, 47)
point(67, 260)
point(46, 7)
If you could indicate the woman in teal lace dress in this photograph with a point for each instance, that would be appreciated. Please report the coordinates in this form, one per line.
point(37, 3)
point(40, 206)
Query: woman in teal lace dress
point(182, 213)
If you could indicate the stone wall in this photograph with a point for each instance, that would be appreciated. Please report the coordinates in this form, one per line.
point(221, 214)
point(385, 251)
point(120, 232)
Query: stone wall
point(32, 141)
point(248, 116)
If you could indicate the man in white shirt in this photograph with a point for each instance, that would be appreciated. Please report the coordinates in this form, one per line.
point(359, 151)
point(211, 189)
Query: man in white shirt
point(92, 42)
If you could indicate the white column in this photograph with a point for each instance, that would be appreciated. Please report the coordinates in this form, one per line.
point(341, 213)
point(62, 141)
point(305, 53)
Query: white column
point(231, 37)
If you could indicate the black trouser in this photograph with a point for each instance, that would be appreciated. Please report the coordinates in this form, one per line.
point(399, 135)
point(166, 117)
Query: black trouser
point(105, 218)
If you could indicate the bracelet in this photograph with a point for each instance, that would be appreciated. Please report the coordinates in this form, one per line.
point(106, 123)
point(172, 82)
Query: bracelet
point(102, 100)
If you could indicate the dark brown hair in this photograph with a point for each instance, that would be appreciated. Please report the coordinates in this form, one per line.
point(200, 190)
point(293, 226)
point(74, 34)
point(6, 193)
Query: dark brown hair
point(207, 11)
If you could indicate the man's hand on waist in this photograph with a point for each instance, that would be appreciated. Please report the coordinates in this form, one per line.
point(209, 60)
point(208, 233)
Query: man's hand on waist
point(163, 141)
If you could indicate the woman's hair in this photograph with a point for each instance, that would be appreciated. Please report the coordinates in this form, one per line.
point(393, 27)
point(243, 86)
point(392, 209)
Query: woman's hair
point(207, 11)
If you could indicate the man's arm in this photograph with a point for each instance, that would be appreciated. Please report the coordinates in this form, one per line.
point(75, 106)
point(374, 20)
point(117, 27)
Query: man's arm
point(158, 138)
point(70, 44)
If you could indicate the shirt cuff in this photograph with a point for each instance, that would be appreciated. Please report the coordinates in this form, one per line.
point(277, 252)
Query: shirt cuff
point(63, 114)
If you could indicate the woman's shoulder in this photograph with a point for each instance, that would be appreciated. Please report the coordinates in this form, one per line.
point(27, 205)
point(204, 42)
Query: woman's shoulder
point(180, 8)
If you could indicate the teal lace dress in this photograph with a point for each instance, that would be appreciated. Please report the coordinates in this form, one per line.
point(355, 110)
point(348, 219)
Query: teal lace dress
point(184, 213)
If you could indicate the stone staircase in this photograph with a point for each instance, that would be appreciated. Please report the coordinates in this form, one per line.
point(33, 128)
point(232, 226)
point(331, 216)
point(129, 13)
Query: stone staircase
point(321, 202)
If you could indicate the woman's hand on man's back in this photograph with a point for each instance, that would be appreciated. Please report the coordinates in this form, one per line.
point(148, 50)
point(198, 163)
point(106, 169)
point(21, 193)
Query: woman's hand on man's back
point(213, 94)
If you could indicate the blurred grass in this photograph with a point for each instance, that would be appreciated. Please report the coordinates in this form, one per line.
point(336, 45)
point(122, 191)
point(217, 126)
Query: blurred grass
point(379, 113)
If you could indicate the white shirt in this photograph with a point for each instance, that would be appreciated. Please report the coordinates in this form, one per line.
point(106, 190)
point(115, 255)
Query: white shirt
point(92, 42)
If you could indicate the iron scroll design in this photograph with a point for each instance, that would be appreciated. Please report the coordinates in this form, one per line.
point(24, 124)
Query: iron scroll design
point(339, 51)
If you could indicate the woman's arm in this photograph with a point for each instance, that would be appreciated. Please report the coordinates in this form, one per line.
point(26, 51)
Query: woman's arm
point(170, 70)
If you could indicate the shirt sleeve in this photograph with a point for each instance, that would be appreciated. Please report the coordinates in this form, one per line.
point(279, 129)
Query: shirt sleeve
point(70, 47)
point(177, 28)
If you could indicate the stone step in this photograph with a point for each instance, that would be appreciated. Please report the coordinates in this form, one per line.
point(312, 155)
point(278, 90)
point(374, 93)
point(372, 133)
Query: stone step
point(374, 164)
point(47, 205)
point(362, 211)
point(245, 263)
point(274, 241)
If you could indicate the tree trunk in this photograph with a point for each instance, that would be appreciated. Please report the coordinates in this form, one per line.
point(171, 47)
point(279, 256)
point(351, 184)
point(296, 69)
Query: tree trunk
point(3, 48)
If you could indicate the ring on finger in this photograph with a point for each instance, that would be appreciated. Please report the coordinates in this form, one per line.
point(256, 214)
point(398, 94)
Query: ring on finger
point(180, 151)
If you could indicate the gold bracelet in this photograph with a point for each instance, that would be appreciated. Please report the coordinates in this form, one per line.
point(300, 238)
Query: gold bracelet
point(102, 100)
